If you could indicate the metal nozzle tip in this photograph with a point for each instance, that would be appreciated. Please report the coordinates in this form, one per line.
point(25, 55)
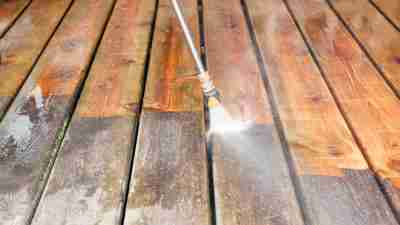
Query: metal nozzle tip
point(213, 102)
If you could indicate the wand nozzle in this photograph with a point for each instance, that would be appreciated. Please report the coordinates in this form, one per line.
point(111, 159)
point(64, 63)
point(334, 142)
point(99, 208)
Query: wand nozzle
point(210, 92)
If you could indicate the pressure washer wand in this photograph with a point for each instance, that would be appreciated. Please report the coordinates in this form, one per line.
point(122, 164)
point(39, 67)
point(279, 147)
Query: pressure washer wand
point(207, 85)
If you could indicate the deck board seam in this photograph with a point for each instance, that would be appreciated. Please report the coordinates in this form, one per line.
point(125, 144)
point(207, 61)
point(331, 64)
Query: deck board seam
point(15, 19)
point(209, 144)
point(382, 12)
point(135, 137)
point(277, 123)
point(365, 51)
point(341, 110)
point(36, 60)
point(69, 114)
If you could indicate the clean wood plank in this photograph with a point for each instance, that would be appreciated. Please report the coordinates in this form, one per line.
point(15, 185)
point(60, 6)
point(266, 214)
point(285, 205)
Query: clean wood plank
point(30, 131)
point(22, 45)
point(336, 186)
point(9, 12)
point(91, 170)
point(391, 9)
point(252, 184)
point(362, 93)
point(377, 35)
point(169, 183)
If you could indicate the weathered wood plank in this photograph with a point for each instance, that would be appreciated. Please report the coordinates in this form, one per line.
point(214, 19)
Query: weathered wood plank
point(172, 84)
point(22, 45)
point(391, 9)
point(362, 93)
point(336, 186)
point(251, 179)
point(9, 12)
point(91, 170)
point(169, 183)
point(377, 35)
point(30, 130)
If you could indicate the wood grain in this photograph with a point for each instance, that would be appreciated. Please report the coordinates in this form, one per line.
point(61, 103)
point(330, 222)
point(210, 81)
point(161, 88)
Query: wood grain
point(169, 183)
point(391, 9)
point(377, 35)
point(172, 73)
point(88, 182)
point(9, 12)
point(364, 96)
point(330, 167)
point(22, 45)
point(251, 179)
point(30, 131)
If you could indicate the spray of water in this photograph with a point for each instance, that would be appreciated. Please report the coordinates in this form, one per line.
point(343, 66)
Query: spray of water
point(221, 122)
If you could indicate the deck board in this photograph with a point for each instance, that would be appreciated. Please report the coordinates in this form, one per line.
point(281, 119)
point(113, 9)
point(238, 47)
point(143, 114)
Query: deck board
point(364, 96)
point(251, 178)
point(91, 170)
point(330, 167)
point(31, 130)
point(316, 98)
point(376, 34)
point(391, 9)
point(23, 44)
point(169, 183)
point(9, 12)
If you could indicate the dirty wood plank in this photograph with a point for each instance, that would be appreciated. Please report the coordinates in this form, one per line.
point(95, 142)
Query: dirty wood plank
point(377, 35)
point(330, 168)
point(22, 45)
point(391, 9)
point(9, 12)
point(366, 99)
point(169, 183)
point(252, 184)
point(31, 129)
point(91, 170)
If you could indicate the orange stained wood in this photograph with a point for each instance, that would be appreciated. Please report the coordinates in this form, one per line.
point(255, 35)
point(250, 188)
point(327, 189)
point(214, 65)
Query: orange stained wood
point(364, 96)
point(91, 170)
point(21, 46)
point(252, 184)
point(63, 67)
point(376, 34)
point(315, 130)
point(9, 12)
point(114, 86)
point(171, 83)
point(232, 63)
point(391, 9)
point(30, 130)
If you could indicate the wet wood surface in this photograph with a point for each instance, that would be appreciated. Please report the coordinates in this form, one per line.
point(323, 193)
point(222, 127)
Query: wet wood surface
point(22, 45)
point(252, 184)
point(330, 167)
point(9, 12)
point(391, 9)
point(169, 183)
point(89, 179)
point(295, 150)
point(31, 130)
point(380, 38)
point(366, 99)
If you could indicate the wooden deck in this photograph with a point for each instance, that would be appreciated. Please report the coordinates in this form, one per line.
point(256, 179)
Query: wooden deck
point(102, 120)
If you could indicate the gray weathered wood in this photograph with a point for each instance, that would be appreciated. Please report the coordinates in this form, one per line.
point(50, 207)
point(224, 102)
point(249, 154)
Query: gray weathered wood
point(169, 182)
point(89, 179)
point(30, 131)
point(251, 179)
point(334, 181)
